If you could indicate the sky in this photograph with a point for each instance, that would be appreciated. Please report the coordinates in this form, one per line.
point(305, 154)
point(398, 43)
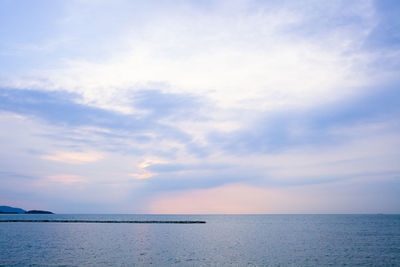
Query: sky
point(242, 106)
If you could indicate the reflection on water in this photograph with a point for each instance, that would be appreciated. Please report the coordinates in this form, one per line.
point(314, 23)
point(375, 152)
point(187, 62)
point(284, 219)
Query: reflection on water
point(306, 240)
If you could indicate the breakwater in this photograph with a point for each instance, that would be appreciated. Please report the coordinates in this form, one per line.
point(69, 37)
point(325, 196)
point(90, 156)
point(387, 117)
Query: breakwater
point(96, 221)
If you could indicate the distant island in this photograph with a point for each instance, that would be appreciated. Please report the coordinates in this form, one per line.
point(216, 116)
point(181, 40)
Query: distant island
point(38, 212)
point(12, 210)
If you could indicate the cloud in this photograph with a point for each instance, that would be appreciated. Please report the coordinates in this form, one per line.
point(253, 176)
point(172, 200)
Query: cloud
point(8, 175)
point(245, 55)
point(168, 167)
point(66, 178)
point(385, 35)
point(140, 176)
point(166, 103)
point(301, 141)
point(82, 124)
point(74, 157)
point(272, 132)
point(66, 108)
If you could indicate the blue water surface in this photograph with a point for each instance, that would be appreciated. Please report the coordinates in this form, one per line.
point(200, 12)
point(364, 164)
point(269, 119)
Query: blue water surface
point(225, 240)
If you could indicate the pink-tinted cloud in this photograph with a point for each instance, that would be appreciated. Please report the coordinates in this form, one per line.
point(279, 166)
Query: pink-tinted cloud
point(140, 176)
point(66, 178)
point(74, 157)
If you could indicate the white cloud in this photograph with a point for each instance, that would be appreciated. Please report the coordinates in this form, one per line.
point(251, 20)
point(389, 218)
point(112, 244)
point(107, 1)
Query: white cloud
point(248, 59)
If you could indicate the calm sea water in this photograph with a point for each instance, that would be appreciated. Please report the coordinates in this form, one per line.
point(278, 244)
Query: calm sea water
point(239, 240)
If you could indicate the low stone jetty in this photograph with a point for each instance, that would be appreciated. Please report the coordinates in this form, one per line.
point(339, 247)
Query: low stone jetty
point(96, 221)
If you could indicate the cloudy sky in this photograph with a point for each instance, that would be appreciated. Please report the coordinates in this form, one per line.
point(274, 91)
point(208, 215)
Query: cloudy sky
point(241, 106)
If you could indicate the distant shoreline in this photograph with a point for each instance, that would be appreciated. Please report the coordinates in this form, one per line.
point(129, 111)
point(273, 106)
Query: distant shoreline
point(12, 210)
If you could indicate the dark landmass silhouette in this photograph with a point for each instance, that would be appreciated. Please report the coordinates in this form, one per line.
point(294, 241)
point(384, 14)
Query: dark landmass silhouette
point(12, 210)
point(38, 212)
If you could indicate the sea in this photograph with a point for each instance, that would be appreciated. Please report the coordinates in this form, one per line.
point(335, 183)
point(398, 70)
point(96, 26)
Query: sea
point(224, 240)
